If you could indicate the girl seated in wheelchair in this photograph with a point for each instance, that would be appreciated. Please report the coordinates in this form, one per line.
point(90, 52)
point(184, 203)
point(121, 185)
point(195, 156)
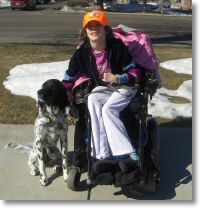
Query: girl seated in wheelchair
point(107, 62)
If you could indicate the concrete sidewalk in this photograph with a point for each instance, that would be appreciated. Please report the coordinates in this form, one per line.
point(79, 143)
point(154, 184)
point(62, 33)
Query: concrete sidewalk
point(17, 184)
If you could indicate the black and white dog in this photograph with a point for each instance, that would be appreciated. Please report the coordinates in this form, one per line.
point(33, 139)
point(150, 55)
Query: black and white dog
point(51, 125)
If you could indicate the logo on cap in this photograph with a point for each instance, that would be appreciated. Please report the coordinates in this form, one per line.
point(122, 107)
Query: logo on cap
point(94, 14)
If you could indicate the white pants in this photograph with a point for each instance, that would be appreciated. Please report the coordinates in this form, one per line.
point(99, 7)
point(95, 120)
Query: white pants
point(109, 136)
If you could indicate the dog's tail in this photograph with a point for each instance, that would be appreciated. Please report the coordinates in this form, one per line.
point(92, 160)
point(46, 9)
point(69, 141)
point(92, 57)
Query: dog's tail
point(24, 148)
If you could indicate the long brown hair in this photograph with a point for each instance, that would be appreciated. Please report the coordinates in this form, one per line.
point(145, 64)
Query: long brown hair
point(109, 34)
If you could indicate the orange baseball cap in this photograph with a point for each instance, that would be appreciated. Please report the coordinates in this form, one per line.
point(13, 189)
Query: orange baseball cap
point(95, 15)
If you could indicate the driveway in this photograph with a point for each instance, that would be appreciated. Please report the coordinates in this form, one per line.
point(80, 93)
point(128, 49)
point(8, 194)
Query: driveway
point(17, 184)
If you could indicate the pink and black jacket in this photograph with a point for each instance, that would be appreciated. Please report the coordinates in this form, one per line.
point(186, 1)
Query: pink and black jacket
point(120, 62)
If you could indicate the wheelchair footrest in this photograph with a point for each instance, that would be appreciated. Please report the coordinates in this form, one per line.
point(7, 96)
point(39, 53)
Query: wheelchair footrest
point(102, 172)
point(102, 166)
point(124, 179)
point(104, 179)
point(108, 172)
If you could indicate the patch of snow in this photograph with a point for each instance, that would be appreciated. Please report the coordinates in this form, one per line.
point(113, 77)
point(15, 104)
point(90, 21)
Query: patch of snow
point(4, 3)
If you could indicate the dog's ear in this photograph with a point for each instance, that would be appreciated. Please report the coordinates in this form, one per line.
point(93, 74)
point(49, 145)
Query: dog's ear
point(40, 94)
point(63, 100)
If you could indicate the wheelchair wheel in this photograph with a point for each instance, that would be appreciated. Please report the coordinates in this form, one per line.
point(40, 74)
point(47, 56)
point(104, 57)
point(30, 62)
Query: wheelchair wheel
point(154, 166)
point(73, 178)
point(151, 181)
point(153, 134)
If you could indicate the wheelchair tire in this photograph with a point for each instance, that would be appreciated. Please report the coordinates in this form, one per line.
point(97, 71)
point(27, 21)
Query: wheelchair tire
point(151, 181)
point(154, 140)
point(73, 178)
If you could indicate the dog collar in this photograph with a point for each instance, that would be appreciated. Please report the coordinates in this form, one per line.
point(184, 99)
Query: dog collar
point(41, 105)
point(49, 119)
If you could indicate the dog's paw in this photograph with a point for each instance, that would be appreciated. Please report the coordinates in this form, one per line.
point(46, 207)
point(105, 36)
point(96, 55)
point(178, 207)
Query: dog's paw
point(65, 176)
point(34, 172)
point(44, 181)
point(57, 169)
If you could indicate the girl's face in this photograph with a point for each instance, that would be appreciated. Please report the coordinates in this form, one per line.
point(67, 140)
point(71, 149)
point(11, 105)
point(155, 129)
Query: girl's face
point(95, 31)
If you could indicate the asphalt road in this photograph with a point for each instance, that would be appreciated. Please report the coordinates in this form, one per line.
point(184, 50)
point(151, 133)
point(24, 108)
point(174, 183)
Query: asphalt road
point(54, 27)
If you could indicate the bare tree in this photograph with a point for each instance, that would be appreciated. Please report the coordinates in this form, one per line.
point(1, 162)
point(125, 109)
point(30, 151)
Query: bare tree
point(161, 7)
point(145, 5)
point(100, 3)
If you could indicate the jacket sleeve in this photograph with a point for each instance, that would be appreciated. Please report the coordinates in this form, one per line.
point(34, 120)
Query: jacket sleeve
point(131, 73)
point(73, 68)
point(70, 74)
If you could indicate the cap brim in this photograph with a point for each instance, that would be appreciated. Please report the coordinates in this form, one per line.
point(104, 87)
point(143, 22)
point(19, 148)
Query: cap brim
point(96, 20)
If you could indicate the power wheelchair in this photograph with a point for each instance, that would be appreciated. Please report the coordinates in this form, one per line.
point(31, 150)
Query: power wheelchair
point(144, 133)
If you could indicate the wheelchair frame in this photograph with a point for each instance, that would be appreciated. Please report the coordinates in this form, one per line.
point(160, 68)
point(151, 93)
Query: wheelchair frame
point(149, 153)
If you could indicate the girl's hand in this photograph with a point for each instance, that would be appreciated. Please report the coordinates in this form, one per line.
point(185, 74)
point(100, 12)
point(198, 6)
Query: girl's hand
point(109, 77)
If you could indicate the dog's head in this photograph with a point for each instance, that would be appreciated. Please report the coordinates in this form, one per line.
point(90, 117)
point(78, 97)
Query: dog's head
point(53, 93)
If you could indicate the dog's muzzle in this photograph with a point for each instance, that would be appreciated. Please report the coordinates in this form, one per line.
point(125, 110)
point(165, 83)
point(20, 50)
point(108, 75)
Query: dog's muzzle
point(40, 104)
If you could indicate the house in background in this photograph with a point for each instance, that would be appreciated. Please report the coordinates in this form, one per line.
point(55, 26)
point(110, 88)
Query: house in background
point(186, 4)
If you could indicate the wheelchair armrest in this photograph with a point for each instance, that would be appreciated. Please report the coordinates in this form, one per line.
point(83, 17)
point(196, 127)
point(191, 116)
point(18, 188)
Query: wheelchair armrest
point(77, 110)
point(137, 103)
point(150, 85)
